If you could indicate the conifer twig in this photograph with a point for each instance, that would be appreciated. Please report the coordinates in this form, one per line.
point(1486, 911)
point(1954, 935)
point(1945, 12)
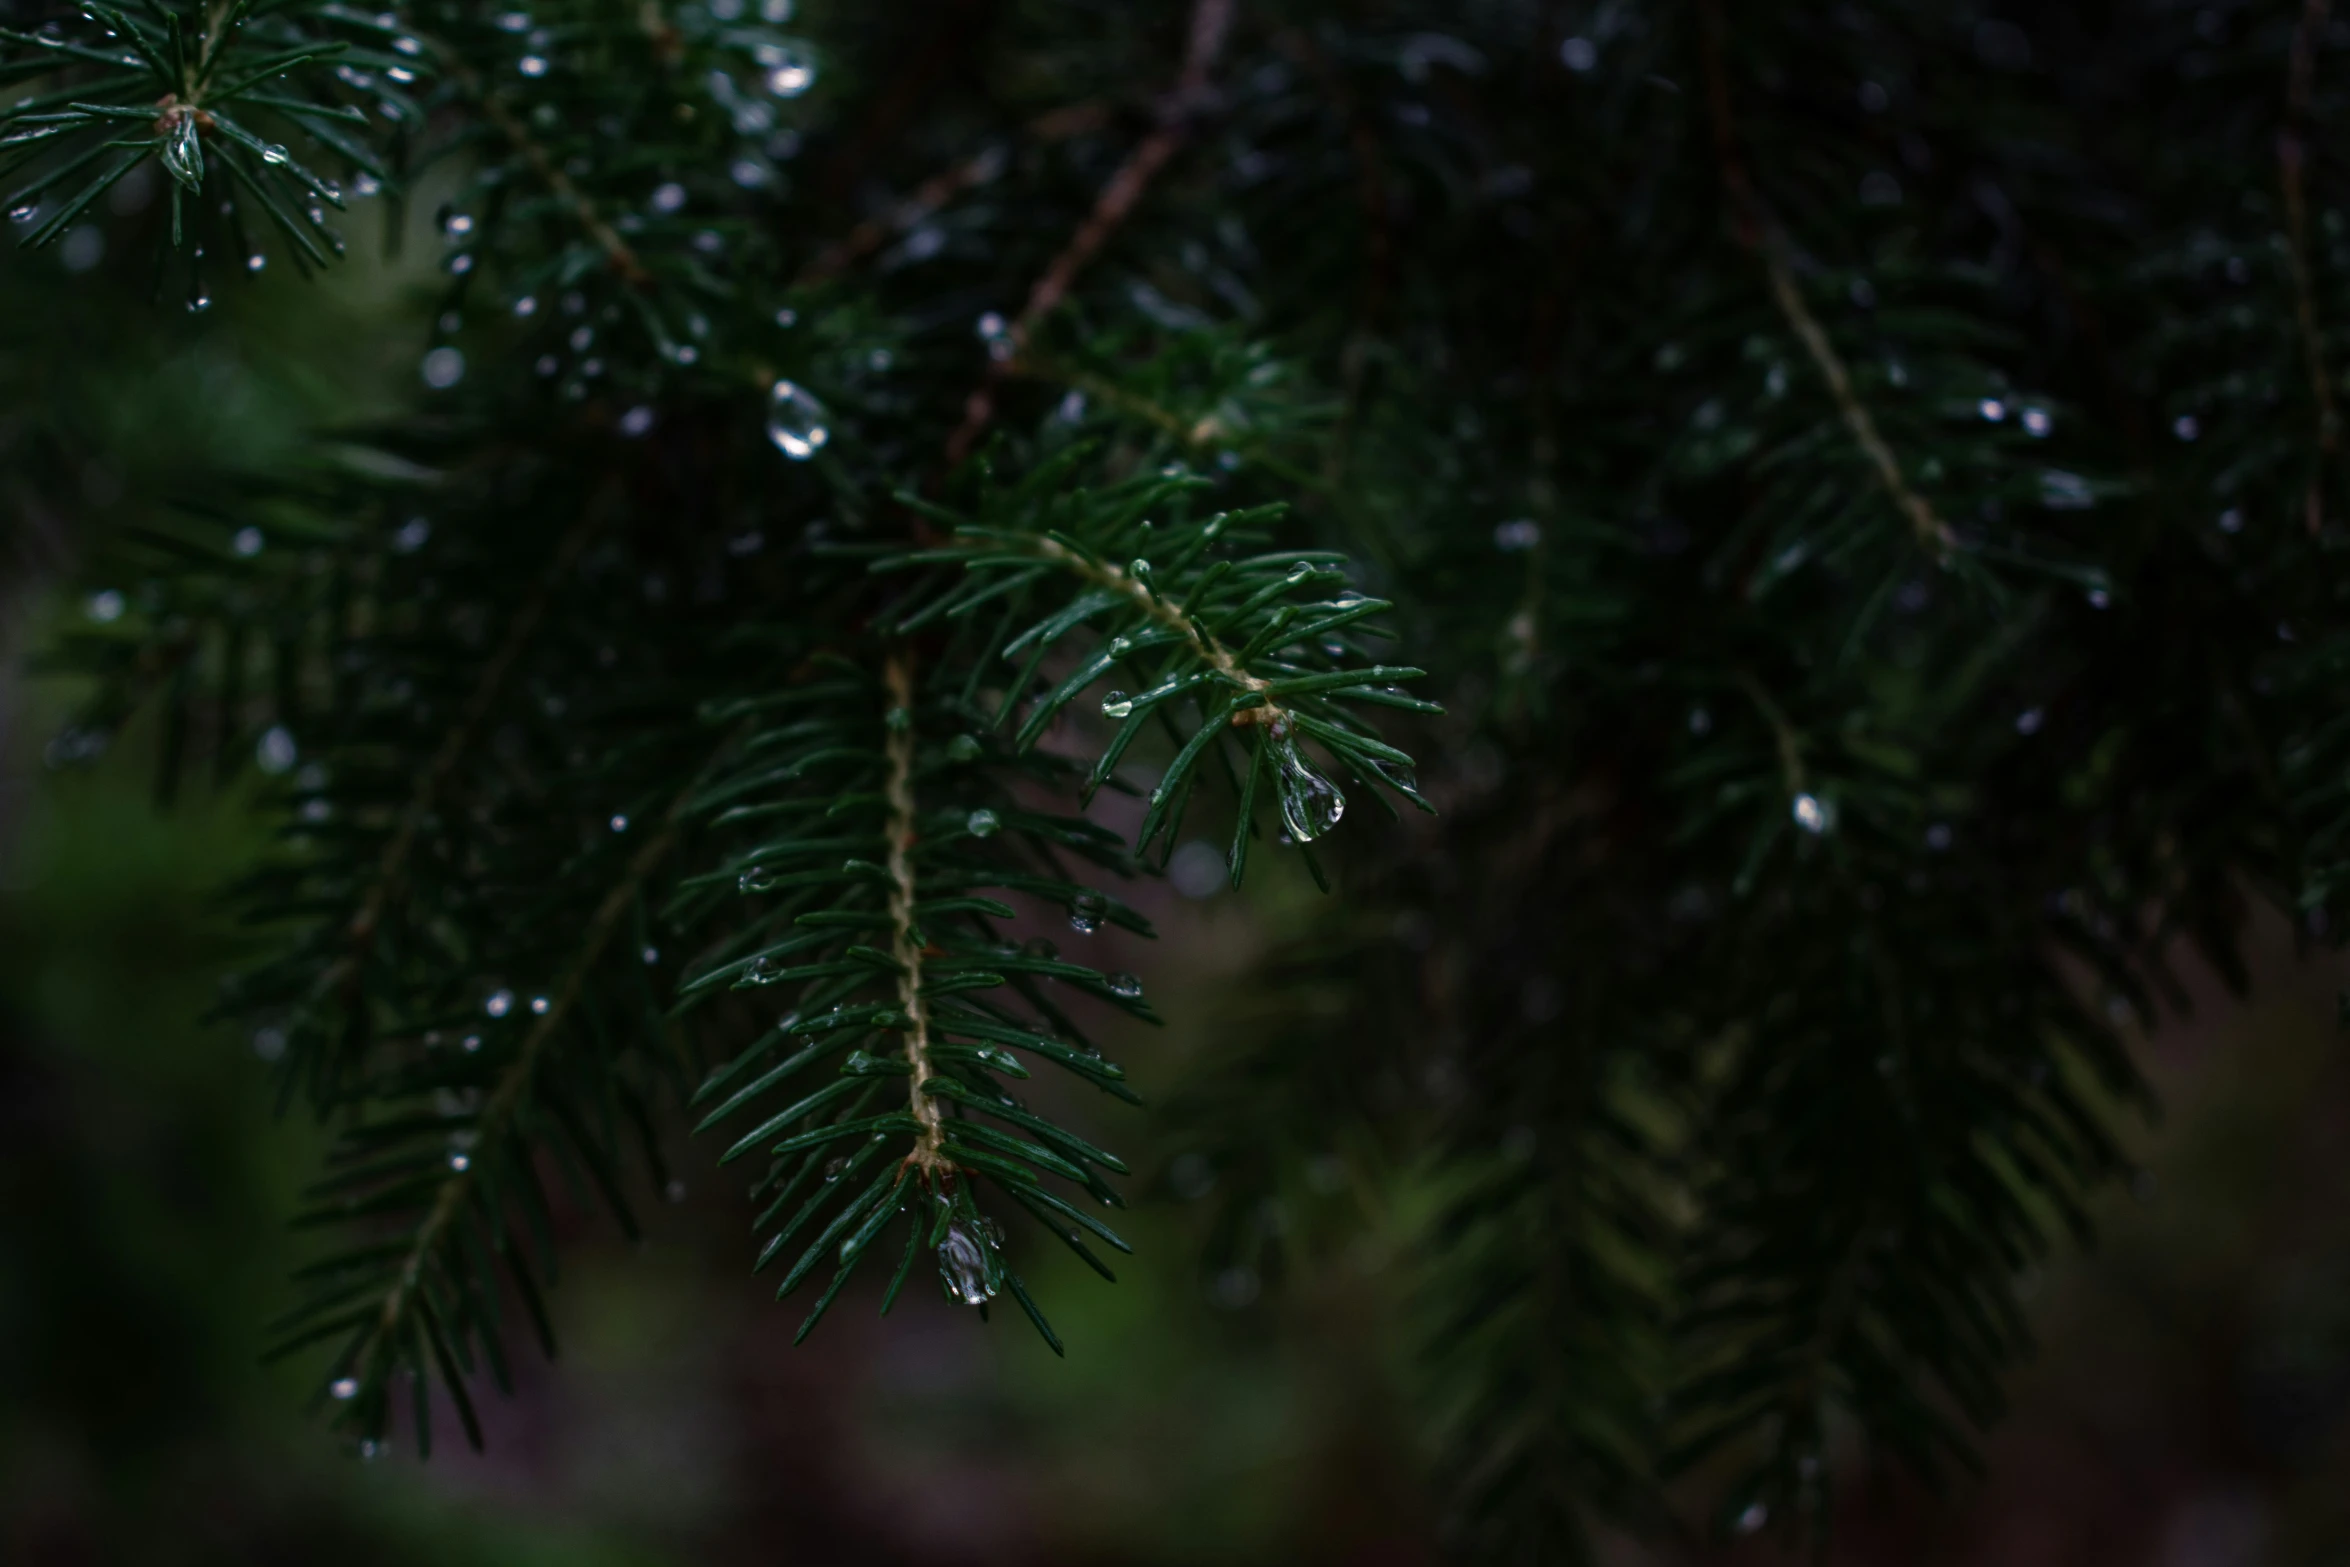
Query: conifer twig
point(1210, 21)
point(507, 1098)
point(2292, 143)
point(1758, 233)
point(1167, 612)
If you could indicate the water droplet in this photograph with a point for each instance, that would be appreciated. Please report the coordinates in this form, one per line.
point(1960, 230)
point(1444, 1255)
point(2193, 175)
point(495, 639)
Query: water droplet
point(791, 72)
point(2185, 427)
point(668, 196)
point(371, 1450)
point(636, 421)
point(460, 1163)
point(652, 955)
point(532, 65)
point(756, 879)
point(2231, 521)
point(443, 368)
point(2062, 491)
point(982, 823)
point(619, 823)
point(1938, 837)
point(499, 1004)
point(2036, 422)
point(105, 606)
point(269, 1043)
point(967, 1264)
point(1812, 814)
point(1117, 705)
point(274, 154)
point(256, 261)
point(411, 536)
point(1086, 911)
point(763, 971)
point(199, 303)
point(1310, 804)
point(796, 421)
point(24, 212)
point(1517, 537)
point(2027, 722)
point(1579, 55)
point(472, 1044)
point(1755, 1516)
point(276, 752)
point(247, 542)
point(344, 1388)
point(834, 1166)
point(1125, 986)
point(1992, 409)
point(538, 1006)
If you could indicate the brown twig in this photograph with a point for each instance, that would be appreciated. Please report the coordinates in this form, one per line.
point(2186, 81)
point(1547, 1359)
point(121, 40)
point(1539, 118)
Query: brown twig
point(1758, 233)
point(2292, 142)
point(616, 250)
point(1210, 21)
point(938, 190)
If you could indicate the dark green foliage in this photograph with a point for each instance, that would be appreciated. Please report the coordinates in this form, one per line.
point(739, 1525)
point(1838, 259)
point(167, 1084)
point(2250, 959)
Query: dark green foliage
point(1866, 479)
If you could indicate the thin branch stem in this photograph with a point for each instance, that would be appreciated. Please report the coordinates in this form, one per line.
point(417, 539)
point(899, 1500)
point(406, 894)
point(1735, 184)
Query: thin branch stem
point(1171, 614)
point(1782, 732)
point(906, 942)
point(1210, 21)
point(1759, 233)
point(2292, 144)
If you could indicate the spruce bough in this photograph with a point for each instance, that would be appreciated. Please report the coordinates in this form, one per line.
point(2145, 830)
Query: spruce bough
point(1866, 479)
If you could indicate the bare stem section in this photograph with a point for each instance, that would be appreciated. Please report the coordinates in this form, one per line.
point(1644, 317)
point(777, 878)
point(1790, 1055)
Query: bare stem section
point(906, 944)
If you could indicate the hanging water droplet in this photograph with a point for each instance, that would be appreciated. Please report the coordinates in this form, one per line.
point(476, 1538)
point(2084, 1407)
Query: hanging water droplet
point(256, 261)
point(1755, 1516)
point(532, 65)
point(274, 154)
point(344, 1388)
point(1992, 409)
point(276, 752)
point(23, 212)
point(460, 1163)
point(499, 1004)
point(538, 1006)
point(636, 422)
point(2036, 422)
point(183, 150)
point(2027, 722)
point(834, 1166)
point(105, 606)
point(619, 823)
point(247, 542)
point(2231, 521)
point(472, 1045)
point(1310, 804)
point(796, 421)
point(2185, 427)
point(982, 823)
point(1812, 814)
point(1086, 911)
point(652, 955)
point(1125, 986)
point(1117, 705)
point(757, 879)
point(371, 1450)
point(966, 1264)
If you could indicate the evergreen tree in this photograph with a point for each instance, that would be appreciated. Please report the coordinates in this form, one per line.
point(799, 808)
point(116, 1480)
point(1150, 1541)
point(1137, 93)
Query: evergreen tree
point(1865, 478)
